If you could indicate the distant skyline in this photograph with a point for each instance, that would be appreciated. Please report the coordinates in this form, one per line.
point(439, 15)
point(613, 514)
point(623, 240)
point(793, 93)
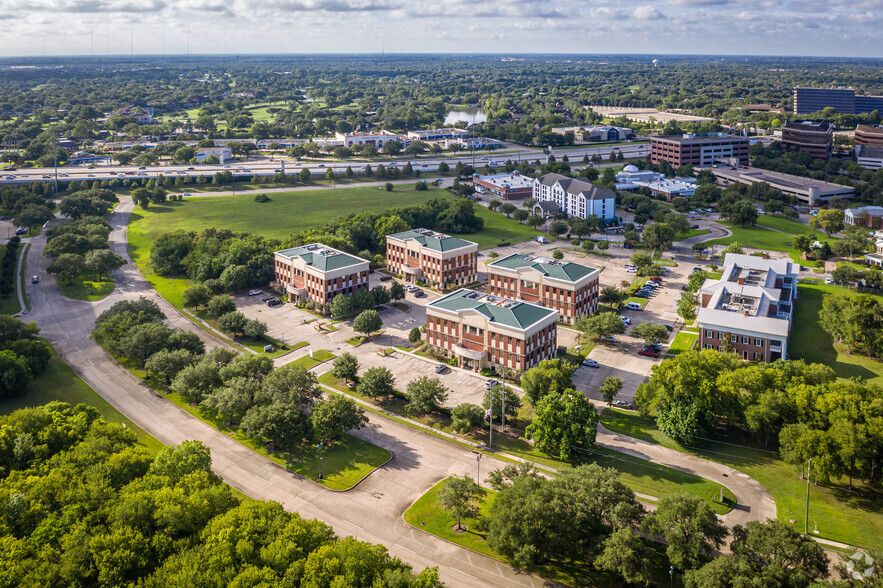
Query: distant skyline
point(719, 27)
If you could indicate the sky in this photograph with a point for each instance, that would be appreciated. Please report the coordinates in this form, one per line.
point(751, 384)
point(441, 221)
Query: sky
point(765, 27)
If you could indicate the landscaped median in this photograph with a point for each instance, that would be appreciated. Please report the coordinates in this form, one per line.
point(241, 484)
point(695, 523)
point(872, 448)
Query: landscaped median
point(854, 518)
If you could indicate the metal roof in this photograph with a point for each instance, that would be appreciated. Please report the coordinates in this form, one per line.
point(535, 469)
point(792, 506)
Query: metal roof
point(499, 310)
point(322, 257)
point(560, 270)
point(432, 240)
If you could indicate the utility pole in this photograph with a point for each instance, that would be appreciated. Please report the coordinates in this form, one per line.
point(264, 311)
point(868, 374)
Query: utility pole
point(503, 394)
point(478, 465)
point(806, 519)
point(55, 153)
point(490, 442)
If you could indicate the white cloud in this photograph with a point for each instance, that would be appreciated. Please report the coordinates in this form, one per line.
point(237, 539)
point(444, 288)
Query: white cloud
point(647, 13)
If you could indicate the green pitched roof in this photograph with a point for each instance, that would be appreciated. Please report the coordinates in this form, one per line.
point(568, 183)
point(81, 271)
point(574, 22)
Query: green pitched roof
point(331, 260)
point(560, 270)
point(519, 315)
point(433, 241)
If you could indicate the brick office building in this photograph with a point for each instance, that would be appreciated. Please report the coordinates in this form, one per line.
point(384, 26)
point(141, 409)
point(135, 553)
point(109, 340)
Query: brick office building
point(426, 256)
point(750, 308)
point(569, 288)
point(482, 330)
point(504, 186)
point(814, 137)
point(700, 149)
point(869, 135)
point(318, 273)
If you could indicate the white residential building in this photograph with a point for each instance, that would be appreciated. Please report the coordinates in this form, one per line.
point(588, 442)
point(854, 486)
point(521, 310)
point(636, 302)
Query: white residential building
point(575, 197)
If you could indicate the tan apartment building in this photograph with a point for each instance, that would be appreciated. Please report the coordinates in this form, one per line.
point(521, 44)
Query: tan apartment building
point(749, 310)
point(567, 287)
point(482, 330)
point(318, 273)
point(421, 255)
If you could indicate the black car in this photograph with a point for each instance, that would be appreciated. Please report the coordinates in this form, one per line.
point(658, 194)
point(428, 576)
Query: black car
point(274, 303)
point(4, 218)
point(419, 294)
point(385, 278)
point(21, 231)
point(268, 298)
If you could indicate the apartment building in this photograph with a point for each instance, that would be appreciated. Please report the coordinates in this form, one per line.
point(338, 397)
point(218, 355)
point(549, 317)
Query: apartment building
point(318, 273)
point(815, 137)
point(482, 330)
point(421, 255)
point(574, 197)
point(749, 310)
point(567, 287)
point(504, 186)
point(699, 149)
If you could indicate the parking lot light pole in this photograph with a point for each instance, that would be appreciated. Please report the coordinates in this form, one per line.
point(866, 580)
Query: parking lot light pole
point(478, 465)
point(320, 446)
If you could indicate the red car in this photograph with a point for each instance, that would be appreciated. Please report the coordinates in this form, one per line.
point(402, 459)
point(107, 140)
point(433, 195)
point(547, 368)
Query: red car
point(694, 226)
point(648, 352)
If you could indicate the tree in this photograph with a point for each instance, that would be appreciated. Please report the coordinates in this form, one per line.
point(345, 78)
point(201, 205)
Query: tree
point(396, 291)
point(196, 296)
point(342, 305)
point(625, 554)
point(32, 215)
point(507, 209)
point(14, 374)
point(177, 461)
point(659, 236)
point(380, 294)
point(284, 426)
point(520, 215)
point(687, 305)
point(830, 221)
point(425, 394)
point(459, 498)
point(254, 328)
point(335, 416)
point(220, 305)
point(494, 204)
point(168, 363)
point(549, 376)
point(367, 322)
point(233, 322)
point(600, 325)
point(376, 382)
point(684, 422)
point(414, 335)
point(103, 261)
point(742, 214)
point(609, 389)
point(345, 367)
point(67, 266)
point(558, 254)
point(612, 296)
point(558, 227)
point(392, 148)
point(465, 417)
point(233, 399)
point(535, 221)
point(689, 527)
point(764, 554)
point(292, 384)
point(564, 426)
point(651, 333)
point(734, 247)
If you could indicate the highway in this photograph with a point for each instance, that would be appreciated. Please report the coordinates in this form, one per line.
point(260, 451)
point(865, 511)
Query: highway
point(427, 164)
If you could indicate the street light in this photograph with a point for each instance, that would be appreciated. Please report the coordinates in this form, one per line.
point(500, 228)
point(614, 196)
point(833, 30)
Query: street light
point(478, 465)
point(320, 447)
point(806, 519)
point(671, 575)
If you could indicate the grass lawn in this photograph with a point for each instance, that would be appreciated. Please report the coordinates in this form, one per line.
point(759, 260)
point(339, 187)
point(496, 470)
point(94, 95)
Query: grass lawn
point(854, 517)
point(496, 228)
point(427, 515)
point(808, 341)
point(357, 340)
point(81, 288)
point(761, 237)
point(59, 382)
point(10, 305)
point(319, 356)
point(691, 233)
point(683, 341)
point(642, 301)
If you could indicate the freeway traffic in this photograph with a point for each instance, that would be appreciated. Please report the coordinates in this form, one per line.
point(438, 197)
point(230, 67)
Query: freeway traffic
point(264, 167)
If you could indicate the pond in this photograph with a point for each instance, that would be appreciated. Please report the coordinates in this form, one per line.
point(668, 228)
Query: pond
point(465, 114)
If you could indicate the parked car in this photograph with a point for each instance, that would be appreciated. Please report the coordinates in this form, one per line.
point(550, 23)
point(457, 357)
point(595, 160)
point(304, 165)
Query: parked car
point(622, 404)
point(829, 281)
point(267, 298)
point(385, 278)
point(631, 270)
point(419, 294)
point(2, 218)
point(608, 339)
point(255, 292)
point(694, 226)
point(648, 352)
point(591, 363)
point(21, 231)
point(186, 194)
point(626, 320)
point(274, 303)
point(441, 368)
point(627, 246)
point(35, 280)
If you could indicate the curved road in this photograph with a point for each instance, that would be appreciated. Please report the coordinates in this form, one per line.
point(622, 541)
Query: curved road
point(373, 510)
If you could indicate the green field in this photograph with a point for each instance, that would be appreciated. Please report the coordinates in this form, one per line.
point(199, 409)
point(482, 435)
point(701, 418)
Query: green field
point(854, 517)
point(691, 233)
point(81, 288)
point(59, 382)
point(808, 341)
point(496, 228)
point(10, 305)
point(682, 342)
point(761, 237)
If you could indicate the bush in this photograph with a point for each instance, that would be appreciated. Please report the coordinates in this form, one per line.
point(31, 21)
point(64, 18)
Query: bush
point(421, 186)
point(261, 198)
point(388, 186)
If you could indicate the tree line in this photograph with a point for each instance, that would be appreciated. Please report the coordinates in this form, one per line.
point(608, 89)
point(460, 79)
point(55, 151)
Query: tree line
point(84, 504)
point(23, 356)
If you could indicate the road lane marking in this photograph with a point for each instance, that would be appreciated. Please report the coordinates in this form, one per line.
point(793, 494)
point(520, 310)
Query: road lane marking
point(144, 405)
point(353, 524)
point(464, 573)
point(264, 479)
point(406, 549)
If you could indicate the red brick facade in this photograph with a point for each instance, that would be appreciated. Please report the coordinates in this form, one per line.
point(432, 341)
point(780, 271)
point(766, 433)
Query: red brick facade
point(320, 290)
point(459, 270)
point(570, 303)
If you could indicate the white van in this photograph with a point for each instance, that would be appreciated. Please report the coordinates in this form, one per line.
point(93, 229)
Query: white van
point(633, 306)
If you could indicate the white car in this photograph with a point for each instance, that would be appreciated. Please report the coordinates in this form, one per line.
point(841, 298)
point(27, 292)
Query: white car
point(829, 281)
point(631, 270)
point(625, 320)
point(255, 292)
